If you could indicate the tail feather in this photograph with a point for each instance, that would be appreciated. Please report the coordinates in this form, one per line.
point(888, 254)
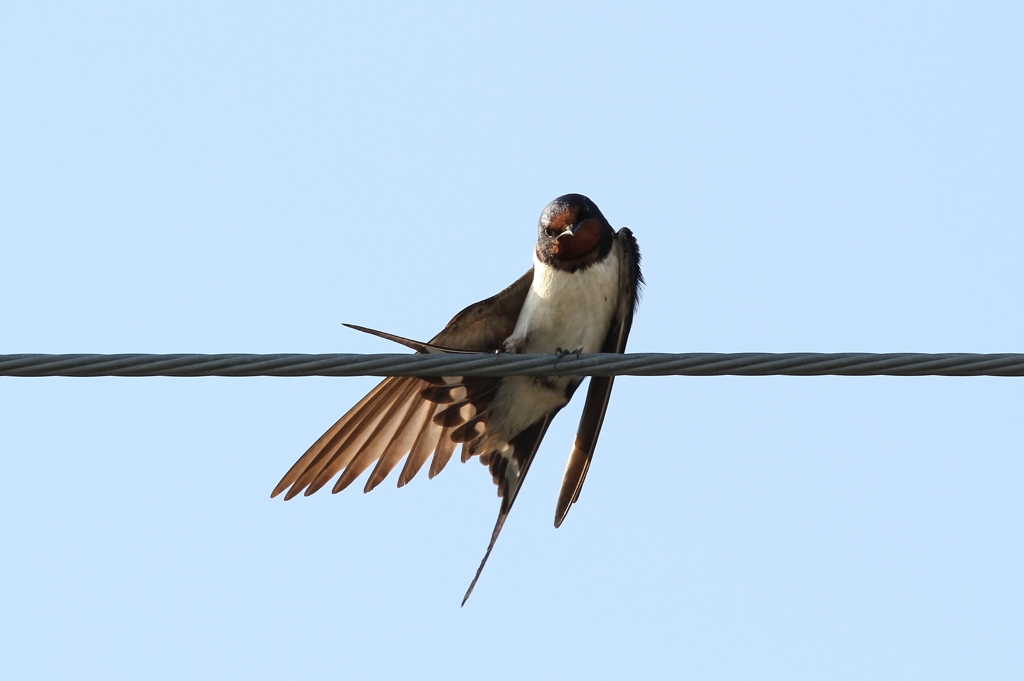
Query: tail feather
point(509, 468)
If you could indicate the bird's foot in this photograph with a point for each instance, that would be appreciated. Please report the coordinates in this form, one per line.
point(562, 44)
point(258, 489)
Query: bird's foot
point(560, 354)
point(512, 346)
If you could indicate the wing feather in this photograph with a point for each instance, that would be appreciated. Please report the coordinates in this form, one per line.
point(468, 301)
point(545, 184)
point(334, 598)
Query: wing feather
point(351, 439)
point(426, 442)
point(600, 389)
point(443, 453)
point(395, 418)
point(401, 444)
point(324, 449)
point(388, 428)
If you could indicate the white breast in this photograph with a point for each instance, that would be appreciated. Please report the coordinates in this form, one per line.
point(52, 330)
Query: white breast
point(569, 311)
point(562, 310)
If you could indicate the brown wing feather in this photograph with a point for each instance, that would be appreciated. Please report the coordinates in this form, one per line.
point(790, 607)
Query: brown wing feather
point(364, 426)
point(392, 421)
point(387, 429)
point(333, 442)
point(485, 325)
point(600, 390)
point(300, 466)
point(443, 453)
point(426, 442)
point(402, 442)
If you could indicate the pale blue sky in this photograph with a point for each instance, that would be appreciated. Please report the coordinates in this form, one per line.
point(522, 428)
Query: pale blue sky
point(233, 177)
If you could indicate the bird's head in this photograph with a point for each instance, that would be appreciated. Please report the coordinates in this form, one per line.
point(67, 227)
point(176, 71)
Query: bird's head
point(573, 233)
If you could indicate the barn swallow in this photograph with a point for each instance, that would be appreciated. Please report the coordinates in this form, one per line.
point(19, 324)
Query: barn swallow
point(579, 296)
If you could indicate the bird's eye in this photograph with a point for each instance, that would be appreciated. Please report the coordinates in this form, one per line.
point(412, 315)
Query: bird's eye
point(552, 231)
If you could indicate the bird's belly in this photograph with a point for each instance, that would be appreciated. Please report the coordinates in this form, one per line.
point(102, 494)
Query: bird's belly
point(521, 401)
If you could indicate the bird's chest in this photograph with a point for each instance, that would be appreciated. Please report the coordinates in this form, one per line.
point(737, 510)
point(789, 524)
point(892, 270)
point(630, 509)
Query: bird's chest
point(569, 311)
point(562, 310)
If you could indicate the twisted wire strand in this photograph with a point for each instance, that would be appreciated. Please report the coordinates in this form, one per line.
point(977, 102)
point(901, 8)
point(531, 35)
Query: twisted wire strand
point(486, 364)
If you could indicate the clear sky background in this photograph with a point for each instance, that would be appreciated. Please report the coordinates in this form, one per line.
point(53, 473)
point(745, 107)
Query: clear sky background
point(243, 177)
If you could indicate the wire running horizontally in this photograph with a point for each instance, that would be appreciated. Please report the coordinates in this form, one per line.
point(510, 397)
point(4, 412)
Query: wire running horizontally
point(485, 364)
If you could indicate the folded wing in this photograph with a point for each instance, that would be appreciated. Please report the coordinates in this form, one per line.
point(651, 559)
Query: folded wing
point(600, 390)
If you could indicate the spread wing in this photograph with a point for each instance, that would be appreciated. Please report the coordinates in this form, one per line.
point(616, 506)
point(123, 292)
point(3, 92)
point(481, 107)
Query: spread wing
point(600, 390)
point(412, 416)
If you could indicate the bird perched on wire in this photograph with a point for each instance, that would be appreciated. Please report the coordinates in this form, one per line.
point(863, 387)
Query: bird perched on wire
point(579, 297)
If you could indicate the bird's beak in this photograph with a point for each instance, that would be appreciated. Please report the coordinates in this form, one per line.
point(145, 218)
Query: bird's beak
point(571, 230)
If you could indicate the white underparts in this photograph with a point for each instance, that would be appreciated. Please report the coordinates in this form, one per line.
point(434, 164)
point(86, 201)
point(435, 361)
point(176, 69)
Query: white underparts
point(562, 310)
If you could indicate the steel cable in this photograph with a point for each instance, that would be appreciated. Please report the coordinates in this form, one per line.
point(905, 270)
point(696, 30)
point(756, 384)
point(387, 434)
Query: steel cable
point(486, 364)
